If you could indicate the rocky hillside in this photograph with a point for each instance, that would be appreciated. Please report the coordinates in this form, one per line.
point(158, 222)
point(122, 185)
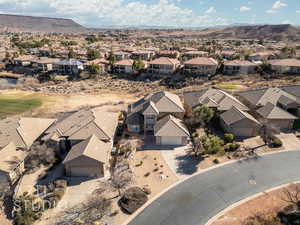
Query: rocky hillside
point(14, 23)
point(272, 32)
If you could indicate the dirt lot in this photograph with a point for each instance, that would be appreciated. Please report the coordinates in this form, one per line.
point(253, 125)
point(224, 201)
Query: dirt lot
point(267, 204)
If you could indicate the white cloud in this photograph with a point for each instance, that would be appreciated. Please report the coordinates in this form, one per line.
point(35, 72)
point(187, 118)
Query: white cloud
point(298, 11)
point(286, 22)
point(211, 10)
point(114, 12)
point(271, 11)
point(279, 4)
point(245, 8)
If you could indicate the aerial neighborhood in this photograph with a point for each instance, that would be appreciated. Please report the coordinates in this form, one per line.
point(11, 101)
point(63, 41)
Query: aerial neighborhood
point(97, 124)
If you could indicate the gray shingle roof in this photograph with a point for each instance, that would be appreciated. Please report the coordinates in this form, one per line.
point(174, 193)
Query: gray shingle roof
point(263, 96)
point(234, 115)
point(10, 156)
point(170, 126)
point(22, 131)
point(84, 123)
point(270, 111)
point(92, 148)
point(213, 97)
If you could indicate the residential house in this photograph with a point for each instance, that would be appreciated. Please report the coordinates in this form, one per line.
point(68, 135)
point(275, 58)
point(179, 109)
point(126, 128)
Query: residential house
point(143, 55)
point(169, 54)
point(262, 56)
point(23, 132)
point(44, 63)
point(195, 54)
point(201, 66)
point(102, 63)
point(121, 55)
point(78, 126)
point(11, 164)
point(239, 123)
point(24, 60)
point(69, 66)
point(239, 67)
point(163, 65)
point(285, 66)
point(228, 54)
point(274, 116)
point(124, 66)
point(145, 113)
point(214, 98)
point(285, 97)
point(171, 131)
point(89, 158)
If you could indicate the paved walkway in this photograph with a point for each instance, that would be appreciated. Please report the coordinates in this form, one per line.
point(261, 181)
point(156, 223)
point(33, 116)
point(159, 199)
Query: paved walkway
point(196, 200)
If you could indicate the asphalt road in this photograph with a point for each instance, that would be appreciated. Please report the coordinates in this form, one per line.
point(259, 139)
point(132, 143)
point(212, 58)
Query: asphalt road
point(201, 197)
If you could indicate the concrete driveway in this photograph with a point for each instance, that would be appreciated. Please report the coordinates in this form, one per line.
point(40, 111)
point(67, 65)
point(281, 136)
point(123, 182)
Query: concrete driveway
point(180, 162)
point(199, 198)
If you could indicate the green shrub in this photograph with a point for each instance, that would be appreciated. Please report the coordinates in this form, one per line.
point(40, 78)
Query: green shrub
point(231, 147)
point(276, 142)
point(212, 144)
point(229, 138)
point(216, 161)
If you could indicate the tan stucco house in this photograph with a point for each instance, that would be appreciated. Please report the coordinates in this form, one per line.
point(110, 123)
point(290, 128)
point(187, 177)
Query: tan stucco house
point(144, 114)
point(239, 123)
point(89, 158)
point(201, 66)
point(171, 131)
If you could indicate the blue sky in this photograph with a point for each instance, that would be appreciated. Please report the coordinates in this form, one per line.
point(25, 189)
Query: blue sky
point(180, 13)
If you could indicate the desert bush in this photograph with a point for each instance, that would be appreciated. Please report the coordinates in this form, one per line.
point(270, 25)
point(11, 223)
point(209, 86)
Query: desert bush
point(212, 144)
point(231, 147)
point(61, 183)
point(229, 138)
point(133, 199)
point(216, 161)
point(276, 142)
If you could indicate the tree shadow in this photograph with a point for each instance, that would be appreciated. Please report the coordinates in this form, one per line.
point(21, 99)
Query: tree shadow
point(188, 164)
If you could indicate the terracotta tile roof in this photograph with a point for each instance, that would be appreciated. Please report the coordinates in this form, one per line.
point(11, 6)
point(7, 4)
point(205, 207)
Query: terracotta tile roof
point(125, 62)
point(285, 62)
point(201, 61)
point(164, 61)
point(239, 63)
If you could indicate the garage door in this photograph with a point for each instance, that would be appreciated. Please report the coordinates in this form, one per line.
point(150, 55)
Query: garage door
point(171, 140)
point(83, 172)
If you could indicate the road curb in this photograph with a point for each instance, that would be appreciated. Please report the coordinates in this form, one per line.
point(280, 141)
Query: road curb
point(187, 178)
point(239, 203)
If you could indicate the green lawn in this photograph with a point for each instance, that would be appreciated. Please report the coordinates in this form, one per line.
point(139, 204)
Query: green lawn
point(13, 105)
point(227, 86)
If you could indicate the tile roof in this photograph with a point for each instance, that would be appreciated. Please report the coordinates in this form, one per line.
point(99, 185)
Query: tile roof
point(10, 156)
point(170, 126)
point(235, 114)
point(213, 97)
point(239, 63)
point(84, 123)
point(270, 111)
point(285, 62)
point(92, 147)
point(261, 97)
point(164, 61)
point(22, 131)
point(125, 62)
point(201, 61)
